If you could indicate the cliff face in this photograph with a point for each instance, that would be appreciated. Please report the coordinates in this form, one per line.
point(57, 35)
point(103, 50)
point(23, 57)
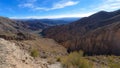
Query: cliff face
point(96, 34)
point(103, 40)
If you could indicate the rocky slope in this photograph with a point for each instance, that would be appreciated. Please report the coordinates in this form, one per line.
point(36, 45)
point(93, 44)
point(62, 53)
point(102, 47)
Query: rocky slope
point(14, 56)
point(11, 56)
point(10, 29)
point(47, 48)
point(17, 42)
point(95, 35)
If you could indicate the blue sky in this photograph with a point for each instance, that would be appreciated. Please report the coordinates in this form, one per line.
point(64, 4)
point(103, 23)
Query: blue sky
point(55, 8)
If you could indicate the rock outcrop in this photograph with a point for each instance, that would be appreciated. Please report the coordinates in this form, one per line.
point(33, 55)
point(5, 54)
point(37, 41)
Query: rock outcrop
point(11, 56)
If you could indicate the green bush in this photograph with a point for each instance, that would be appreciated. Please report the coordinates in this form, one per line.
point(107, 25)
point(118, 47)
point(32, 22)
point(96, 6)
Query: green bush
point(34, 53)
point(76, 60)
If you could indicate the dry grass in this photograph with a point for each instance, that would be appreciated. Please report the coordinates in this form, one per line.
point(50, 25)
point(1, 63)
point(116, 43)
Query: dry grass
point(75, 60)
point(105, 61)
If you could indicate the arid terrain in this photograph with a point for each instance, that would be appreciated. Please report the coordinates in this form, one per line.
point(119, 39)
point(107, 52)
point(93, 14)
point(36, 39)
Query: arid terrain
point(90, 42)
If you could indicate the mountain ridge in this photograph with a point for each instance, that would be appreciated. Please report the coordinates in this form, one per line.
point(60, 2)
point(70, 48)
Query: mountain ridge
point(36, 24)
point(72, 35)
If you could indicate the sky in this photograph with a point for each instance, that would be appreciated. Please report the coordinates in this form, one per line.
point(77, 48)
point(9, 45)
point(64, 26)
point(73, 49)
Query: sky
point(24, 9)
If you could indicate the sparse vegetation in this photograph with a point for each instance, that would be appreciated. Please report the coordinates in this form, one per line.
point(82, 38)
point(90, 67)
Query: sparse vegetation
point(75, 60)
point(34, 53)
point(58, 59)
point(105, 61)
point(113, 63)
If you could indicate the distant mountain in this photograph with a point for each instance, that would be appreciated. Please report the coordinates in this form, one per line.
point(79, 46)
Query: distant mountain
point(52, 22)
point(95, 35)
point(33, 25)
point(36, 24)
point(69, 19)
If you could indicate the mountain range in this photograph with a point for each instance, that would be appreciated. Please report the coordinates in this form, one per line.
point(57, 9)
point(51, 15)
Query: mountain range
point(36, 24)
point(98, 34)
point(95, 35)
point(47, 43)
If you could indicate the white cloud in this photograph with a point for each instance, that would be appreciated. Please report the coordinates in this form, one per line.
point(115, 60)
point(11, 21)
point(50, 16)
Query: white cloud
point(109, 5)
point(58, 5)
point(64, 4)
point(41, 8)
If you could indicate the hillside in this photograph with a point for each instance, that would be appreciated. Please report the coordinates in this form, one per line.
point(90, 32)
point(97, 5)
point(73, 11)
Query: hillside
point(20, 47)
point(10, 29)
point(89, 34)
point(19, 33)
point(13, 57)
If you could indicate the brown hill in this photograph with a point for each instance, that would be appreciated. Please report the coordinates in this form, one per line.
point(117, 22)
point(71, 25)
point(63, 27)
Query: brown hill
point(90, 34)
point(10, 29)
point(27, 40)
point(21, 48)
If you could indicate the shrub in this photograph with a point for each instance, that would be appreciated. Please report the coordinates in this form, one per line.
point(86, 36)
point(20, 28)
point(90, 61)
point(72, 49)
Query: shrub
point(75, 60)
point(113, 65)
point(58, 59)
point(34, 53)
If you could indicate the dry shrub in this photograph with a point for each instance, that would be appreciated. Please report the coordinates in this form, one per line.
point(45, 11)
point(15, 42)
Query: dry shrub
point(34, 53)
point(75, 60)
